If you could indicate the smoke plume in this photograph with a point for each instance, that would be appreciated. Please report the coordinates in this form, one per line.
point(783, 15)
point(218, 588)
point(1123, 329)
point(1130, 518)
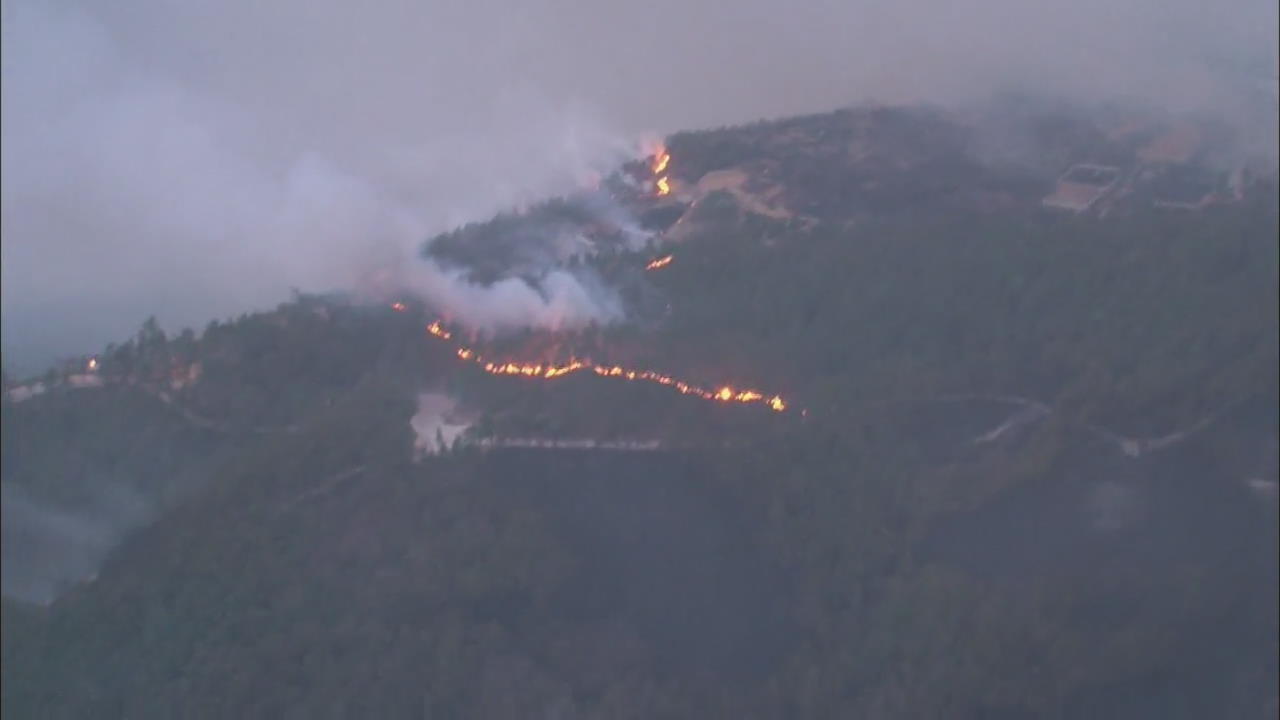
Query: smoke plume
point(49, 548)
point(197, 160)
point(560, 300)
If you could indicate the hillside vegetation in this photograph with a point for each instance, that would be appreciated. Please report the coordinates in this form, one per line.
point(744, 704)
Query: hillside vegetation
point(877, 550)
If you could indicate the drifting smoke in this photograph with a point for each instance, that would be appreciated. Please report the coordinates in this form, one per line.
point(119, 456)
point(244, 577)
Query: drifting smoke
point(127, 193)
point(561, 300)
point(436, 425)
point(605, 208)
point(48, 548)
point(197, 159)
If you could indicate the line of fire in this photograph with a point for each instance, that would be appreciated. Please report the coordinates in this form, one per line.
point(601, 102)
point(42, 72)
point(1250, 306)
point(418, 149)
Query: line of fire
point(724, 394)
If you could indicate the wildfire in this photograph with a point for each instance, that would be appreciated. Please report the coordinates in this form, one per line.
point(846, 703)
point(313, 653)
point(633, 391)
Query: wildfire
point(399, 306)
point(660, 160)
point(92, 365)
point(661, 262)
point(658, 165)
point(548, 371)
point(436, 329)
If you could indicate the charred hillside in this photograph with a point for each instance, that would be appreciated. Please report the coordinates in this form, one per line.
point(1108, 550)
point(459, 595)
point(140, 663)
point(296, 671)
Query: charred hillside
point(1023, 461)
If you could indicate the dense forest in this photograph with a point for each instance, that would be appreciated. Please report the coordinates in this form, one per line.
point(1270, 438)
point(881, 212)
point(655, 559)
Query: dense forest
point(877, 550)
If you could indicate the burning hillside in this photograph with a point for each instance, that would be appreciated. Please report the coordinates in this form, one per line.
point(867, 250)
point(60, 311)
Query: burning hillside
point(786, 177)
point(977, 378)
point(658, 165)
point(548, 371)
point(659, 263)
point(660, 160)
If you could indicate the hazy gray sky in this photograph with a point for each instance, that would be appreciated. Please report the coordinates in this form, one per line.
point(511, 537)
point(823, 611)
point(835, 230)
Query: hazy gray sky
point(194, 160)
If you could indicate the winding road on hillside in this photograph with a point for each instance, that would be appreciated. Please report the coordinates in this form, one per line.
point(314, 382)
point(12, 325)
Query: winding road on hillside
point(1028, 411)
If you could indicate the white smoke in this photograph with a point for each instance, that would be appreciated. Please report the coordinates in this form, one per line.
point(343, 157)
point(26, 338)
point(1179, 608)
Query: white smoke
point(198, 159)
point(561, 299)
point(48, 548)
point(191, 203)
point(436, 425)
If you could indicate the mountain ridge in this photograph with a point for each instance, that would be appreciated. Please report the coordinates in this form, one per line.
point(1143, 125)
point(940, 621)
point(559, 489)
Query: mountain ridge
point(907, 540)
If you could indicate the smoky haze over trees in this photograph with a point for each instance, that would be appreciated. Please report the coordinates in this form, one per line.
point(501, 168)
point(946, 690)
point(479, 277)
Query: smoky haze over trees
point(514, 464)
point(198, 162)
point(913, 546)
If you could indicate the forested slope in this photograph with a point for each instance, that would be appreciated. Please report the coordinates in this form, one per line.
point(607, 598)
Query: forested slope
point(876, 550)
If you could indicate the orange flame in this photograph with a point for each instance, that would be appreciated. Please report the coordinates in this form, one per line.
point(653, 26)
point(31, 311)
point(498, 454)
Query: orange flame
point(725, 394)
point(664, 188)
point(399, 306)
point(660, 160)
point(661, 262)
point(436, 329)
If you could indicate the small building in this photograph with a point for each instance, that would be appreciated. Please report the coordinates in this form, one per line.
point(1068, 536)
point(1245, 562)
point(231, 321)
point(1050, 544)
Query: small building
point(25, 392)
point(1081, 186)
point(85, 380)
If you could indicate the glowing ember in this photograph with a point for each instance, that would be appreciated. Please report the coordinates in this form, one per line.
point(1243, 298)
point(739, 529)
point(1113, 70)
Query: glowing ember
point(399, 307)
point(661, 262)
point(664, 188)
point(725, 394)
point(92, 365)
